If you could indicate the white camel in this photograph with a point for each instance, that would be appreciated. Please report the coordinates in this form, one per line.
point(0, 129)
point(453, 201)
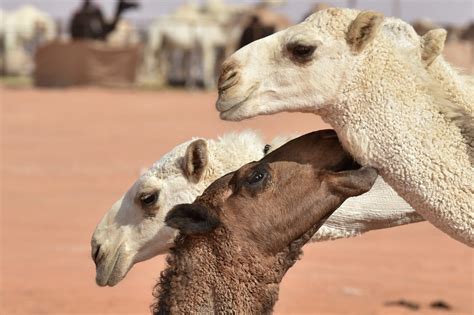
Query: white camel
point(394, 102)
point(125, 34)
point(196, 35)
point(133, 230)
point(22, 31)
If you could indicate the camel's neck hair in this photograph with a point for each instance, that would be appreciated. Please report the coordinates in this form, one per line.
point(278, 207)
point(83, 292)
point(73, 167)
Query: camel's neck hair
point(237, 278)
point(437, 84)
point(207, 274)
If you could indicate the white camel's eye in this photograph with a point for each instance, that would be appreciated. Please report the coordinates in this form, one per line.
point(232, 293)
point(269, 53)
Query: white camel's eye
point(148, 199)
point(301, 52)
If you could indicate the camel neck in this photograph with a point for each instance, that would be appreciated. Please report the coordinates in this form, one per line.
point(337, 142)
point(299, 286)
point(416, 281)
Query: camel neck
point(396, 124)
point(223, 276)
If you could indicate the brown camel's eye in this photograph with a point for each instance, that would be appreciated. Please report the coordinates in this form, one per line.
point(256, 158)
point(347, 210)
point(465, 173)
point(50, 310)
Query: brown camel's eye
point(257, 176)
point(301, 52)
point(148, 199)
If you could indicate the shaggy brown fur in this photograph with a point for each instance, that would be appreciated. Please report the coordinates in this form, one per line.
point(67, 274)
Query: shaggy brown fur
point(226, 258)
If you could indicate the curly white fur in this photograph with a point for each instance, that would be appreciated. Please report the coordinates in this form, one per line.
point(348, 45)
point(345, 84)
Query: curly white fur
point(395, 104)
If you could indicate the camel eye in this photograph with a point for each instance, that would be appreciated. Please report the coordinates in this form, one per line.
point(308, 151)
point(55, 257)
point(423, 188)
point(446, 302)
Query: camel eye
point(257, 176)
point(148, 199)
point(301, 52)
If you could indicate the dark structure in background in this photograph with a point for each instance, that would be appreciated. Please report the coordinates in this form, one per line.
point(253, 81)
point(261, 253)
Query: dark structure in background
point(255, 30)
point(89, 22)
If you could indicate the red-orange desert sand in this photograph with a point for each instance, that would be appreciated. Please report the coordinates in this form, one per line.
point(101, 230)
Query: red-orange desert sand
point(67, 155)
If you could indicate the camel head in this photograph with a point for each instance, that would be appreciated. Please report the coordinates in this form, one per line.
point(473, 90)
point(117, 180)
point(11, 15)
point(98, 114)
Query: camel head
point(133, 230)
point(309, 66)
point(283, 198)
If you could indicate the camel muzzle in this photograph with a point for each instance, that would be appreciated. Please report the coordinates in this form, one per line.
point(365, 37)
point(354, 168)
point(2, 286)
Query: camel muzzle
point(229, 76)
point(227, 81)
point(96, 253)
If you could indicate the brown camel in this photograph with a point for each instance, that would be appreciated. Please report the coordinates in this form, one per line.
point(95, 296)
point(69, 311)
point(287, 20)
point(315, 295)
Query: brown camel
point(239, 238)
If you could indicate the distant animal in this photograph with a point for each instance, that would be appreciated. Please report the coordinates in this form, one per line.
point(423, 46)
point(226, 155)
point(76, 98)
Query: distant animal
point(21, 32)
point(133, 229)
point(261, 21)
point(125, 34)
point(239, 238)
point(468, 33)
point(89, 23)
point(196, 38)
point(255, 30)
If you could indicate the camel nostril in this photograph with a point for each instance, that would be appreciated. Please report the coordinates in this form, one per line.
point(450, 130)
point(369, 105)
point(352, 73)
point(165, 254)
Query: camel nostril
point(95, 253)
point(227, 80)
point(229, 75)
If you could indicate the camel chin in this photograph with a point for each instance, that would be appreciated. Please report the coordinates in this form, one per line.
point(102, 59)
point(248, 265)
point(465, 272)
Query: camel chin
point(250, 106)
point(239, 104)
point(111, 271)
point(233, 103)
point(234, 113)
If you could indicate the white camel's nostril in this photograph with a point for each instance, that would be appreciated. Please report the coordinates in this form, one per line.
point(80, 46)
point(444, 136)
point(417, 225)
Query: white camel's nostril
point(228, 80)
point(96, 253)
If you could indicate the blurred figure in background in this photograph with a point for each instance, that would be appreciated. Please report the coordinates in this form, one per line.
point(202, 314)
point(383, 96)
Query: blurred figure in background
point(89, 23)
point(468, 33)
point(21, 31)
point(255, 30)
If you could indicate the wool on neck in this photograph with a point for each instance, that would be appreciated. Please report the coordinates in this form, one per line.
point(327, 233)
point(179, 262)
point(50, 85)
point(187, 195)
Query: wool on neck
point(214, 274)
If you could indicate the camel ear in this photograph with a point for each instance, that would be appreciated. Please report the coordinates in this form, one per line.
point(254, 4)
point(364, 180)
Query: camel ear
point(432, 44)
point(363, 30)
point(195, 160)
point(352, 182)
point(192, 219)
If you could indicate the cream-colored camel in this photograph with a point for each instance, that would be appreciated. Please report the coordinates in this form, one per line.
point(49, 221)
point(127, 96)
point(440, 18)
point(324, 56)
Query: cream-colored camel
point(125, 34)
point(198, 32)
point(192, 35)
point(393, 100)
point(133, 230)
point(21, 31)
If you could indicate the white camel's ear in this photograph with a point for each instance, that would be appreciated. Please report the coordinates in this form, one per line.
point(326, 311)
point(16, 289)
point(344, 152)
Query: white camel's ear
point(432, 44)
point(195, 160)
point(363, 30)
point(352, 183)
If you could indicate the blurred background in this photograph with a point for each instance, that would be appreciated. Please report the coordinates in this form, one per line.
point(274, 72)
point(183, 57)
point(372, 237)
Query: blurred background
point(159, 43)
point(91, 92)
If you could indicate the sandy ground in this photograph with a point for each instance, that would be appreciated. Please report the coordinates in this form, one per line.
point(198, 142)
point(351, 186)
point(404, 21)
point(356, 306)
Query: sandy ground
point(67, 155)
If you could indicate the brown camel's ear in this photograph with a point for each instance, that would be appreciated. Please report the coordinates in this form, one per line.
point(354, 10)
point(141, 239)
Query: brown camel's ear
point(432, 44)
point(195, 160)
point(352, 182)
point(363, 30)
point(192, 219)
